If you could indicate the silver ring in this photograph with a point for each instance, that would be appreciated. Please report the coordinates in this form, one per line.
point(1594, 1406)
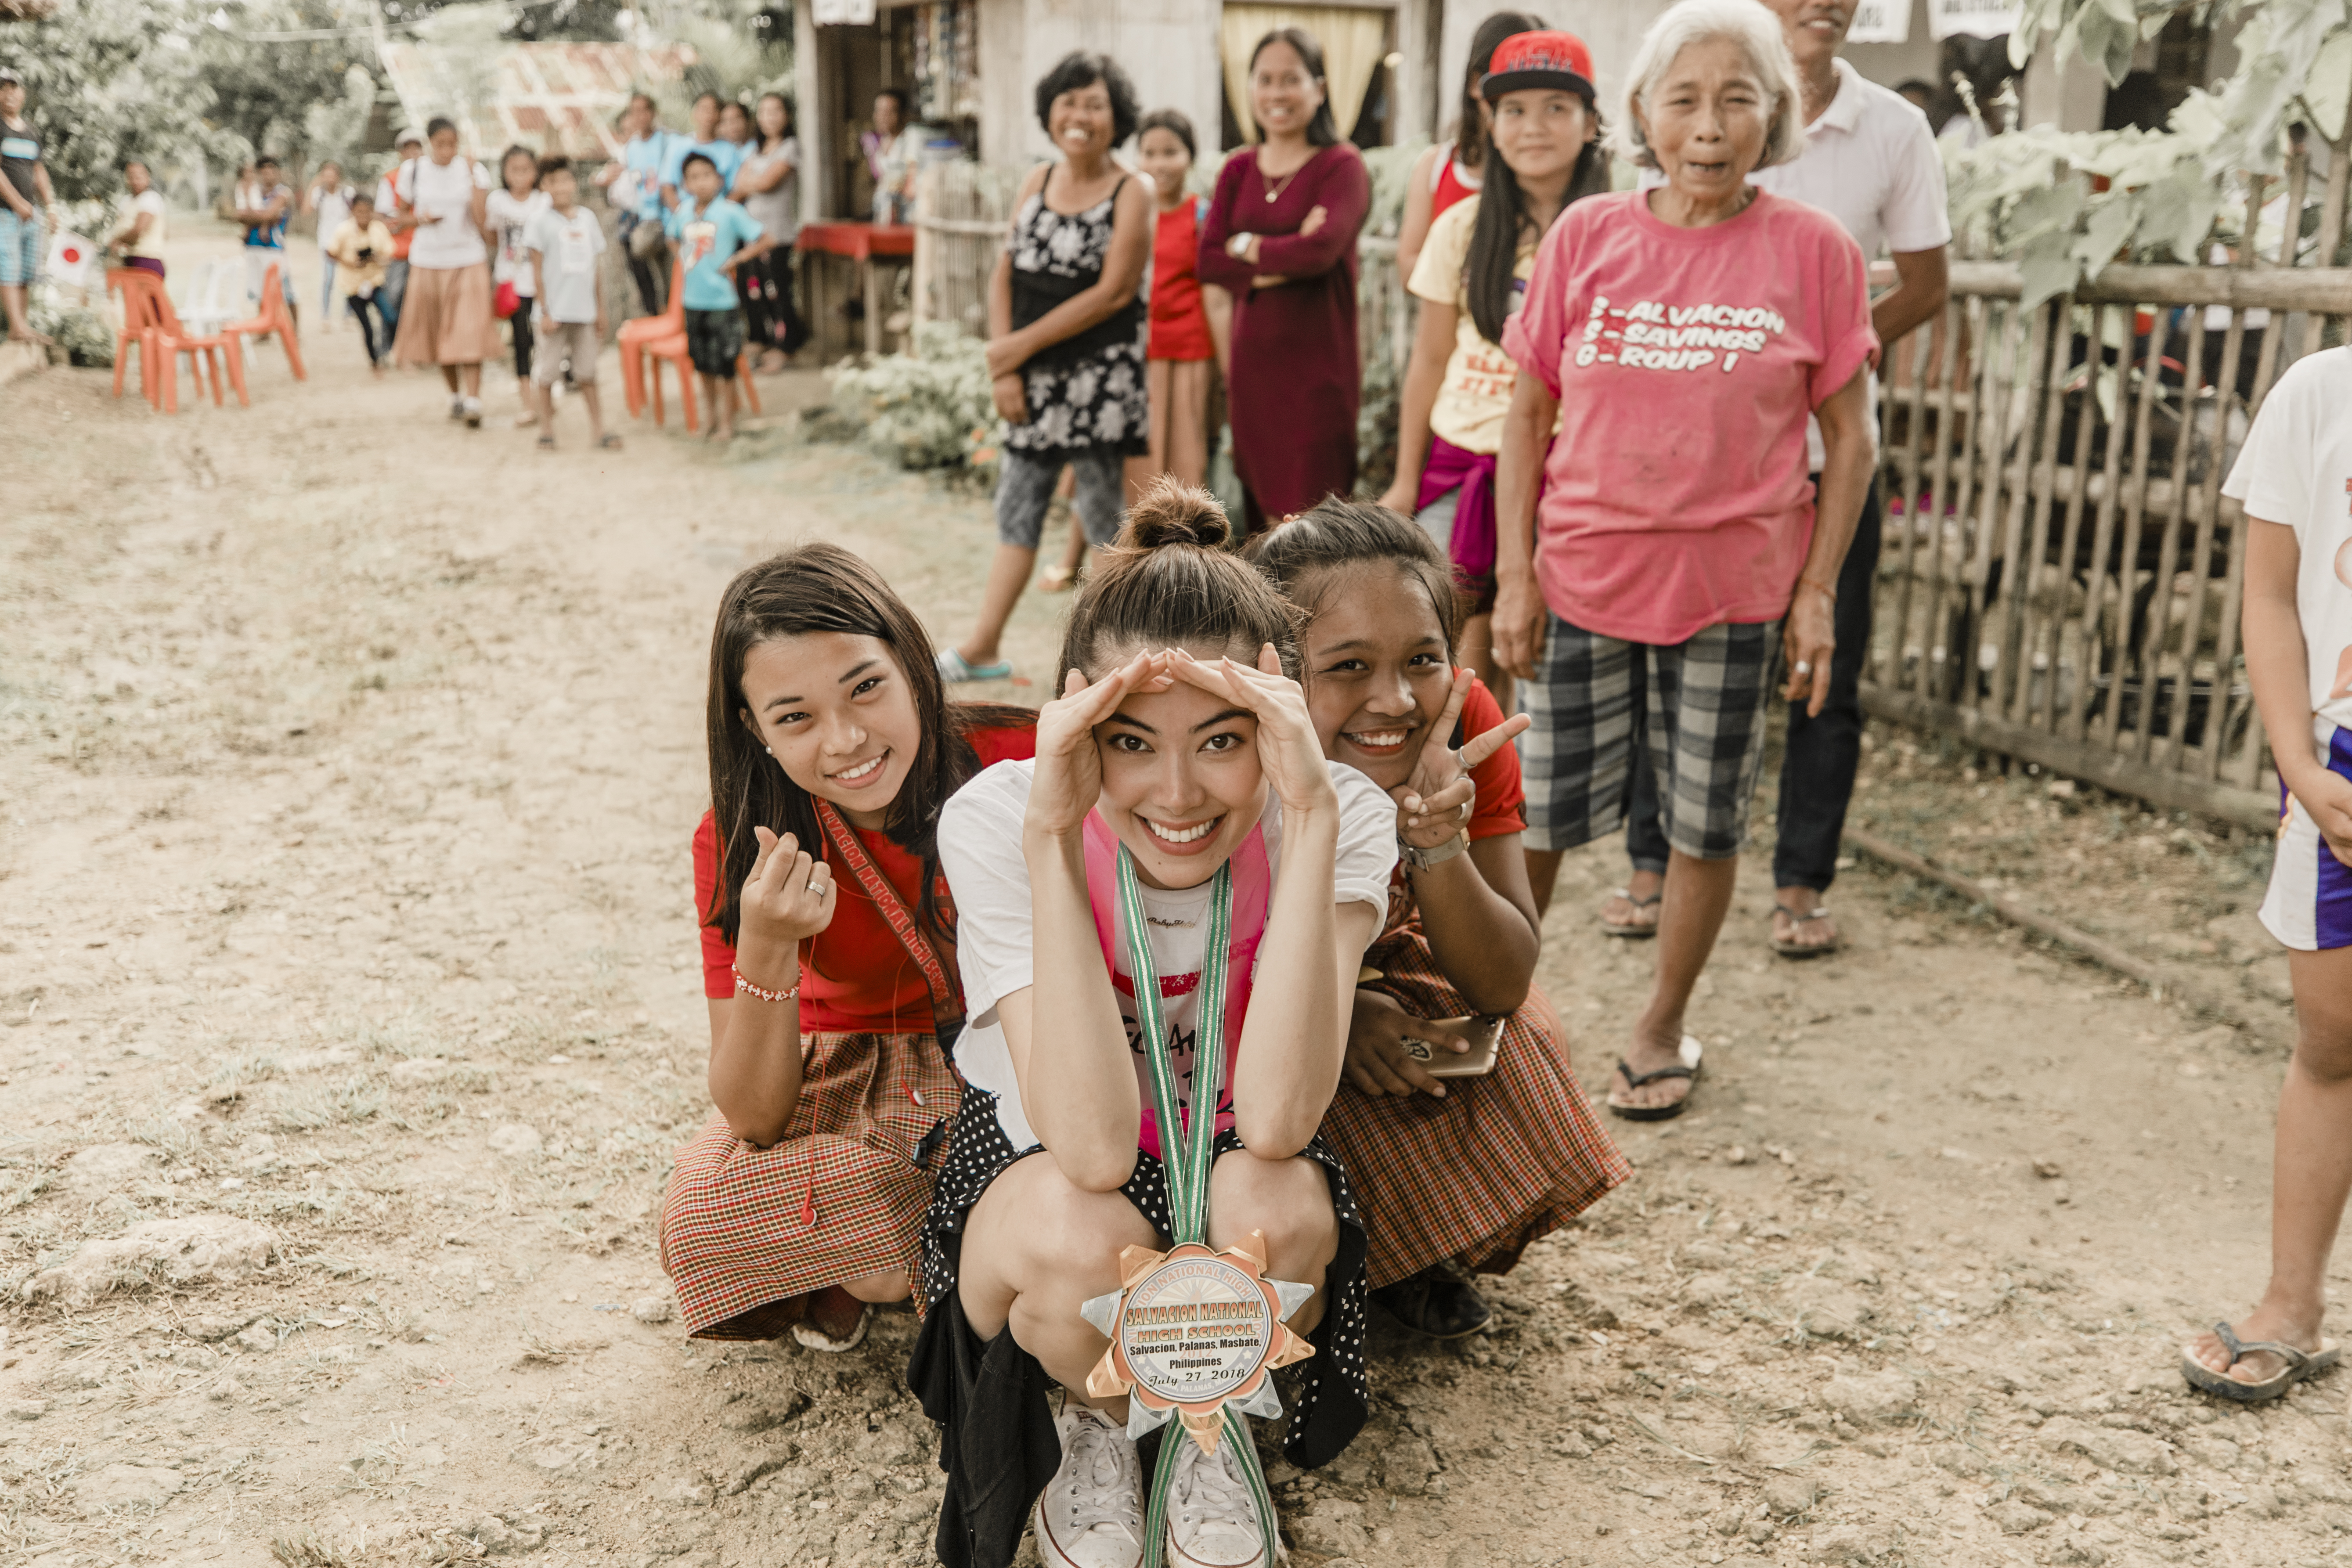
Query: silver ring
point(1465, 809)
point(814, 888)
point(1804, 667)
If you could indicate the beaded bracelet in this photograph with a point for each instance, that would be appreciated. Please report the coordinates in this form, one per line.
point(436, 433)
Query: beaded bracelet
point(761, 993)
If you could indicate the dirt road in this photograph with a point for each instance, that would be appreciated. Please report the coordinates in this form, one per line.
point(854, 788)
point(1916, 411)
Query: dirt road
point(348, 1016)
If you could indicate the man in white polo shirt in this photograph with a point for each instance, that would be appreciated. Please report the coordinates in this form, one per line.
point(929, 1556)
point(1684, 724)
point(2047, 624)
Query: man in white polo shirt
point(1870, 161)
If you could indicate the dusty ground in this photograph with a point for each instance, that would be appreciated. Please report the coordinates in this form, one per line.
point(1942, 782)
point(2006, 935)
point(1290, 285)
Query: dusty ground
point(348, 761)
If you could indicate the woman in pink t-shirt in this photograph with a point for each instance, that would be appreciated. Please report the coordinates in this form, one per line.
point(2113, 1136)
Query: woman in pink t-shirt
point(1680, 336)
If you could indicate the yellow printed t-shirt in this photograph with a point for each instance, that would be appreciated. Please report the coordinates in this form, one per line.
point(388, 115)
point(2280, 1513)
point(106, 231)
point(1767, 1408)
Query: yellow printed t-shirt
point(1477, 391)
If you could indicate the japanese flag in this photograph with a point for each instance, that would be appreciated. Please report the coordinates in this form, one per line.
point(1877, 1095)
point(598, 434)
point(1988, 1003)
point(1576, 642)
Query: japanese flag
point(72, 260)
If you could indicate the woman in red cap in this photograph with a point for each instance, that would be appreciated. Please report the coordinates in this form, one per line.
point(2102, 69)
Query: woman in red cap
point(1543, 152)
point(1452, 169)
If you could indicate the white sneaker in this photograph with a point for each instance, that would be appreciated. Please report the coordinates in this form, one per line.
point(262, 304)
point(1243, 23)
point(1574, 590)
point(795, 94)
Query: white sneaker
point(457, 407)
point(1212, 1517)
point(1091, 1515)
point(472, 409)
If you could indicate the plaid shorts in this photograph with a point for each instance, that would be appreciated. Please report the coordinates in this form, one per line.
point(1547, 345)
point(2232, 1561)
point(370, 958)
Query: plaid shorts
point(1699, 706)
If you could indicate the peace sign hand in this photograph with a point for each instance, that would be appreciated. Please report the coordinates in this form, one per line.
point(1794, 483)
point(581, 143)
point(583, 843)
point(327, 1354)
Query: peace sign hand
point(1434, 803)
point(1288, 748)
point(1068, 780)
point(786, 900)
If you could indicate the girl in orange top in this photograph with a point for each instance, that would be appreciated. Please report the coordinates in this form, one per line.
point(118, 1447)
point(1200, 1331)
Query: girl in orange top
point(827, 953)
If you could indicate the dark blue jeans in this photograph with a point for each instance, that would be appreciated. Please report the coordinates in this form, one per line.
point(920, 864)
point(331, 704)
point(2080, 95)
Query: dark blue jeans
point(1818, 765)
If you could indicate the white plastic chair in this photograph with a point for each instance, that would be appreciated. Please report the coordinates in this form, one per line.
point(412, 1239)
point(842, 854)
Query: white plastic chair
point(218, 298)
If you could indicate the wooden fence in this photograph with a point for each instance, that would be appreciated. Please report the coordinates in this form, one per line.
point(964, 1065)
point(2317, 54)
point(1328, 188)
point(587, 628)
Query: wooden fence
point(2061, 579)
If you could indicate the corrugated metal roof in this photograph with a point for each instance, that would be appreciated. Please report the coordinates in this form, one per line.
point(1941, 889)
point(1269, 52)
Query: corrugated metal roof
point(552, 98)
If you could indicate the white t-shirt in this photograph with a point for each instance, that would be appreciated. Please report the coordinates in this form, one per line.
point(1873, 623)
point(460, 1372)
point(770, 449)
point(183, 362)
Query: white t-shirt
point(980, 850)
point(331, 208)
point(444, 196)
point(150, 244)
point(1870, 161)
point(510, 220)
point(2296, 469)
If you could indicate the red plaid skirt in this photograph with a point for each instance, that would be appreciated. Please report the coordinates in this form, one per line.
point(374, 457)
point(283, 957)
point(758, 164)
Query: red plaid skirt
point(746, 1232)
point(1501, 1160)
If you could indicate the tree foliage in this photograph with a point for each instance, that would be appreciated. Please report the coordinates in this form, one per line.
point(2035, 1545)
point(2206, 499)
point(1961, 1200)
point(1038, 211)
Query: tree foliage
point(2063, 205)
point(107, 80)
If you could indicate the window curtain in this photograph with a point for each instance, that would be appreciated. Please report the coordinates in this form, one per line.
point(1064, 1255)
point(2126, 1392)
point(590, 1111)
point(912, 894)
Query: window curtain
point(1354, 42)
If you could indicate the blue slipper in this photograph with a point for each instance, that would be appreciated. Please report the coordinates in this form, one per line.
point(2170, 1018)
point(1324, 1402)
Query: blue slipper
point(955, 670)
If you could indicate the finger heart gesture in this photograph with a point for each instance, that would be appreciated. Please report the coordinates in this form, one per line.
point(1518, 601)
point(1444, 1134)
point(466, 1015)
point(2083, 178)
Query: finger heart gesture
point(1435, 803)
point(787, 899)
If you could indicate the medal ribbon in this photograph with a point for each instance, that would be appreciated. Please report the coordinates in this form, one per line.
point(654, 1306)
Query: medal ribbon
point(947, 1007)
point(1188, 1155)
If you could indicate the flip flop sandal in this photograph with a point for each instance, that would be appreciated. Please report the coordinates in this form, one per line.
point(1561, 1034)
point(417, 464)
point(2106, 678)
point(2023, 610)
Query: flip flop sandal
point(955, 669)
point(546, 443)
point(1056, 579)
point(837, 1321)
point(1787, 948)
point(1628, 928)
point(2300, 1365)
point(1692, 1053)
point(609, 443)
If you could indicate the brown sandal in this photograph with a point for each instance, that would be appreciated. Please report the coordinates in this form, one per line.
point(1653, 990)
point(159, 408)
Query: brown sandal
point(1787, 948)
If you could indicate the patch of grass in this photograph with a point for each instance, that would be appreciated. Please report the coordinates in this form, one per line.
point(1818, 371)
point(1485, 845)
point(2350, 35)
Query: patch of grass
point(253, 1067)
point(308, 1549)
point(350, 1102)
point(175, 1137)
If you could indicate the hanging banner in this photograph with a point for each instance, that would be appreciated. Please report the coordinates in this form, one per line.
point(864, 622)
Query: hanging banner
point(1880, 22)
point(1970, 18)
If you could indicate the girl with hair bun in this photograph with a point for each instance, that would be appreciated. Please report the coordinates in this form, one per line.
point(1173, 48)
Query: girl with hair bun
point(1181, 742)
point(1518, 1151)
point(827, 945)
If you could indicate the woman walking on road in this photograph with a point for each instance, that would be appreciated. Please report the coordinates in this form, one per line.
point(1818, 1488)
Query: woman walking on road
point(1677, 338)
point(1281, 240)
point(1066, 338)
point(446, 318)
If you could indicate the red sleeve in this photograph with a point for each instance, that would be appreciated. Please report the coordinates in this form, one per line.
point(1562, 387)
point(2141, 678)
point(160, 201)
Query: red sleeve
point(1536, 332)
point(1215, 266)
point(1495, 810)
point(1346, 195)
point(718, 958)
point(1010, 743)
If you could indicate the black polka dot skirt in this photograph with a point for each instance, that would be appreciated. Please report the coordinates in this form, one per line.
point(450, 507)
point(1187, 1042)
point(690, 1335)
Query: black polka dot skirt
point(1325, 1393)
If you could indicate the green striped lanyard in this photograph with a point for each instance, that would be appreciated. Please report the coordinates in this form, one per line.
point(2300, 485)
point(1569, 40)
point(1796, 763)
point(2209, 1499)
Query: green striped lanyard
point(1188, 1148)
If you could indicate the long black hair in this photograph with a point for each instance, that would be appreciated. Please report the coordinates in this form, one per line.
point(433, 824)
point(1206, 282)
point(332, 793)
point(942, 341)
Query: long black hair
point(1503, 223)
point(1322, 131)
point(816, 588)
point(1469, 145)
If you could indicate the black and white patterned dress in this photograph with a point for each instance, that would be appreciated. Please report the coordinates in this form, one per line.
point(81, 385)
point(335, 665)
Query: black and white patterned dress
point(1087, 391)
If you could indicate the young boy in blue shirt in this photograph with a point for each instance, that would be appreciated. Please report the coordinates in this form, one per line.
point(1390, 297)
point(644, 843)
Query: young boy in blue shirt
point(714, 237)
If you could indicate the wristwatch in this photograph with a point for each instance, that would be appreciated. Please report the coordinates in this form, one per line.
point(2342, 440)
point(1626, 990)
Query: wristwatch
point(1422, 860)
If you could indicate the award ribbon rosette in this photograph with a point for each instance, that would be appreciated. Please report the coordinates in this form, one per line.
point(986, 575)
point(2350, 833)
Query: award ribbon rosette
point(1194, 1333)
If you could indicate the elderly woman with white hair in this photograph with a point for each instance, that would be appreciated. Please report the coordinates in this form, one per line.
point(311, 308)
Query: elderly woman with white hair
point(1669, 550)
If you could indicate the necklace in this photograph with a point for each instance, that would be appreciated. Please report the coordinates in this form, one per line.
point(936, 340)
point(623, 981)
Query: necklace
point(1275, 193)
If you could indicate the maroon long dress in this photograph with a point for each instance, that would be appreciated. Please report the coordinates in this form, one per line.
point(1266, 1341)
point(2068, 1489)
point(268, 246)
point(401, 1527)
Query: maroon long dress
point(1297, 377)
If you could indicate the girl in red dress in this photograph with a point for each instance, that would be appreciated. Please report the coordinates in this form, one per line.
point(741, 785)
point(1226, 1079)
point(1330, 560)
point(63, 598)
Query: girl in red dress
point(1456, 1174)
point(828, 955)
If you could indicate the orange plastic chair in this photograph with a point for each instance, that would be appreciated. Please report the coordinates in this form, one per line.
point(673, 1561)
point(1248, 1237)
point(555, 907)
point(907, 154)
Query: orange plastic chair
point(139, 323)
point(672, 351)
point(274, 318)
point(170, 340)
point(636, 335)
